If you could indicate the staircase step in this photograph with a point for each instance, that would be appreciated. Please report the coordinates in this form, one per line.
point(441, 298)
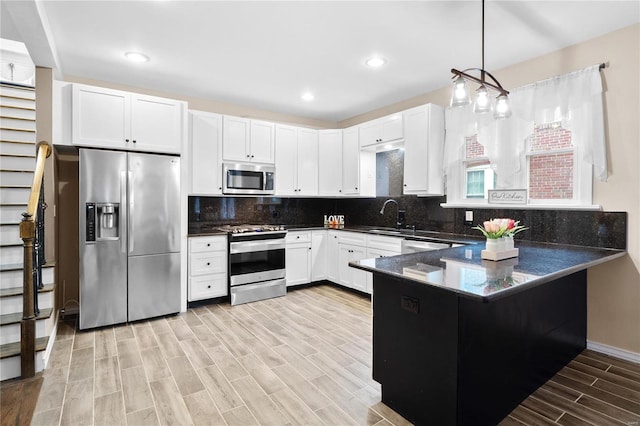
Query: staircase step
point(14, 195)
point(12, 177)
point(11, 254)
point(12, 349)
point(8, 147)
point(11, 323)
point(11, 213)
point(19, 112)
point(13, 304)
point(18, 163)
point(17, 291)
point(12, 276)
point(17, 124)
point(17, 92)
point(10, 234)
point(17, 136)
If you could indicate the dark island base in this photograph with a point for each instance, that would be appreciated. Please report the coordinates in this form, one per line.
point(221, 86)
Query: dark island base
point(443, 359)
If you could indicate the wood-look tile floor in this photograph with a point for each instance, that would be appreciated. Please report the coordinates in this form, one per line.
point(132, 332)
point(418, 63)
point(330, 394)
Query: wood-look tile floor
point(300, 359)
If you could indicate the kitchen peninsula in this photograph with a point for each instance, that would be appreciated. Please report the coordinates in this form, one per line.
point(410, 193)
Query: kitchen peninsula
point(458, 340)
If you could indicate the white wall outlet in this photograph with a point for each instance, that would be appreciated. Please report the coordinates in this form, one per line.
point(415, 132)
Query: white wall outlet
point(468, 217)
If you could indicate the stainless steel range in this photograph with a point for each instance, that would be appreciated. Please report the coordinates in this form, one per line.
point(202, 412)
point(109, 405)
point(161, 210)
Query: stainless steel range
point(256, 262)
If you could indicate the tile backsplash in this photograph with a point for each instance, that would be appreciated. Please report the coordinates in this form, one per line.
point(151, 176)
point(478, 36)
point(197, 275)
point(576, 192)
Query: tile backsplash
point(590, 228)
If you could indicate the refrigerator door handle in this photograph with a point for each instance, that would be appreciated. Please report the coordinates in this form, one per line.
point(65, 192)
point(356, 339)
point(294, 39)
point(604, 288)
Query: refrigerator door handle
point(131, 208)
point(123, 209)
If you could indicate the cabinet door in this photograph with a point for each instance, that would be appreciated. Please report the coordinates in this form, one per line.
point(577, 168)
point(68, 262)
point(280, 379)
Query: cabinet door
point(318, 255)
point(358, 276)
point(369, 133)
point(100, 117)
point(350, 162)
point(262, 142)
point(235, 139)
point(423, 144)
point(374, 253)
point(391, 128)
point(307, 161)
point(344, 271)
point(298, 264)
point(286, 160)
point(333, 257)
point(330, 162)
point(205, 153)
point(156, 124)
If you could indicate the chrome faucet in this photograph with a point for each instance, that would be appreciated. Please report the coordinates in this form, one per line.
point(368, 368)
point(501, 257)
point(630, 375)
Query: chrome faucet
point(400, 214)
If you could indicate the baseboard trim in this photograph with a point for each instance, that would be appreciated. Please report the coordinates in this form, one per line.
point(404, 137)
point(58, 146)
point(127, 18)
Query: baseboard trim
point(613, 351)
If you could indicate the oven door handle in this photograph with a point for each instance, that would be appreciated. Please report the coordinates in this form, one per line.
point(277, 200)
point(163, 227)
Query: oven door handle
point(254, 246)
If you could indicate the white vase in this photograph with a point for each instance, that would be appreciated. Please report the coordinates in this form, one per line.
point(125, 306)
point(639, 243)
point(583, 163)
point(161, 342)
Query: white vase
point(494, 245)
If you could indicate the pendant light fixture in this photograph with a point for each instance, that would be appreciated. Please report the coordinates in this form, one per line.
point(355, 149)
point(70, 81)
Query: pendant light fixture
point(483, 102)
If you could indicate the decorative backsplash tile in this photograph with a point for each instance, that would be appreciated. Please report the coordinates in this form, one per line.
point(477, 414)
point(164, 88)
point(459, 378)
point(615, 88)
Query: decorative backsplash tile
point(590, 228)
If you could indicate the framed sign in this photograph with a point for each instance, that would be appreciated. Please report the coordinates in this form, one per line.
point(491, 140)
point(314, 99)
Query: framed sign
point(507, 196)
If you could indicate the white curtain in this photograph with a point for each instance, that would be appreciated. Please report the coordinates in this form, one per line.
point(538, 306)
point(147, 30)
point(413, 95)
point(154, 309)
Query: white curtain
point(574, 99)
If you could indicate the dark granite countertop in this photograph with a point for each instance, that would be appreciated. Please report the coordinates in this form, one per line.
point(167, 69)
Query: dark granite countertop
point(461, 270)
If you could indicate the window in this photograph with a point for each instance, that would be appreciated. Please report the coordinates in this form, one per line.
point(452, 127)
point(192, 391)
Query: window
point(553, 145)
point(480, 178)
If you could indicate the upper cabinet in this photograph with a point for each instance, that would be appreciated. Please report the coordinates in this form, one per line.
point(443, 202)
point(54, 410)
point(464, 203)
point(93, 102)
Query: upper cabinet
point(205, 153)
point(382, 130)
point(107, 118)
point(296, 161)
point(423, 150)
point(330, 162)
point(248, 140)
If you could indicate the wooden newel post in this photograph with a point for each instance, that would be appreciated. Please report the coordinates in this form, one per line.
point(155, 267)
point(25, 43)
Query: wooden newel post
point(28, 323)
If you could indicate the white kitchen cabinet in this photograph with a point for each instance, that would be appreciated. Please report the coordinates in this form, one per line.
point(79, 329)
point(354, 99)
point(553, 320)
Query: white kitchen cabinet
point(352, 247)
point(207, 267)
point(205, 153)
point(333, 256)
point(247, 140)
point(423, 150)
point(330, 162)
point(296, 161)
point(106, 118)
point(350, 162)
point(319, 240)
point(298, 257)
point(382, 130)
point(351, 277)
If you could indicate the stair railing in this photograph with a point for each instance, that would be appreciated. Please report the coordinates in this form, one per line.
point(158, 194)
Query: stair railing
point(30, 268)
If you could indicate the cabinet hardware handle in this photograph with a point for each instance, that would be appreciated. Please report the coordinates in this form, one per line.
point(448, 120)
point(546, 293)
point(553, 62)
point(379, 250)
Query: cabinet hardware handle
point(126, 140)
point(356, 188)
point(208, 286)
point(252, 156)
point(405, 184)
point(219, 187)
point(208, 263)
point(208, 244)
point(134, 141)
point(247, 155)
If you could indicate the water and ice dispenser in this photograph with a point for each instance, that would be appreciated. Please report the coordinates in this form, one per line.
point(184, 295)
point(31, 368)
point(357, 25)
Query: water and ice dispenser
point(102, 221)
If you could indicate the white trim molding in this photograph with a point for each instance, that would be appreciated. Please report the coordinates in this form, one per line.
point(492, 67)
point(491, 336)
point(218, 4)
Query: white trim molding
point(613, 351)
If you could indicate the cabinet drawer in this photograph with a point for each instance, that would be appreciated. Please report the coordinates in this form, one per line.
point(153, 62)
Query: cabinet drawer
point(208, 263)
point(298, 237)
point(353, 238)
point(203, 244)
point(384, 243)
point(207, 286)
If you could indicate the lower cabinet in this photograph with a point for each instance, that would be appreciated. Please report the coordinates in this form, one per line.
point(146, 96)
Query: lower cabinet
point(333, 256)
point(351, 277)
point(298, 257)
point(207, 267)
point(319, 255)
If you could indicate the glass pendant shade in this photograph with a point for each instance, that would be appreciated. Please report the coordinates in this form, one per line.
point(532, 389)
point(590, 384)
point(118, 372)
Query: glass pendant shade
point(460, 96)
point(483, 101)
point(503, 109)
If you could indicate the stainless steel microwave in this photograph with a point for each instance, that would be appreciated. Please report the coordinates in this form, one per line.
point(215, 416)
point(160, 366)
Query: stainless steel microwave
point(248, 179)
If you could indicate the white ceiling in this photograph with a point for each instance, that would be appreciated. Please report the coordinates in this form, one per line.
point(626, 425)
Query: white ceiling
point(266, 54)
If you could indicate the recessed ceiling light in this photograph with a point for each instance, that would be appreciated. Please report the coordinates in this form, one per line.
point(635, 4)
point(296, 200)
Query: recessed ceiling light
point(375, 62)
point(136, 57)
point(307, 97)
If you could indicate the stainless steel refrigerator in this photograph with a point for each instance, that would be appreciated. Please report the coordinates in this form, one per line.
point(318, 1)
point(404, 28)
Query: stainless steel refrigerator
point(129, 236)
